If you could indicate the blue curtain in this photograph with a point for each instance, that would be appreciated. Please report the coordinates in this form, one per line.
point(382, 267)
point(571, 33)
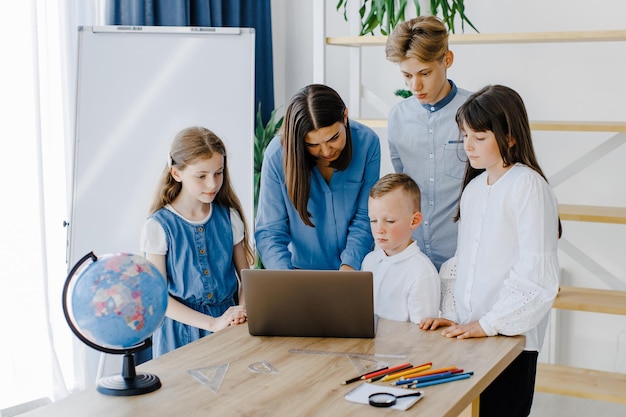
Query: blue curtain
point(209, 13)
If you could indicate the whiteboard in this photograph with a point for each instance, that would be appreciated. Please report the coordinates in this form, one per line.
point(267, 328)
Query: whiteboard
point(137, 87)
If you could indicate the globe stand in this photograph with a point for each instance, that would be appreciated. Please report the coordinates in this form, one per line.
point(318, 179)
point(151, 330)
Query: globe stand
point(129, 382)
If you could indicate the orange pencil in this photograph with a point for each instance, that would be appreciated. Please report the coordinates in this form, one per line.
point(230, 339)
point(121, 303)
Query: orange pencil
point(415, 369)
point(428, 372)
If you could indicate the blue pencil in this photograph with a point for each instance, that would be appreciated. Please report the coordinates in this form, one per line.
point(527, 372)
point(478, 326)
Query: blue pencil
point(442, 381)
point(425, 378)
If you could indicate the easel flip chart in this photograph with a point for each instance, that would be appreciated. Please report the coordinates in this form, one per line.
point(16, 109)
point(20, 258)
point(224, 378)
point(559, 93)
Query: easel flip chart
point(137, 87)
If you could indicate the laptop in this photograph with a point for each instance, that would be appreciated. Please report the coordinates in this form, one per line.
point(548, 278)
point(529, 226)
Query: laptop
point(307, 303)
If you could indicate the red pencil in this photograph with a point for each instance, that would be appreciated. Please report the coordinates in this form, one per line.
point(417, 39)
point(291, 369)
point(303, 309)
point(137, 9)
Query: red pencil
point(380, 374)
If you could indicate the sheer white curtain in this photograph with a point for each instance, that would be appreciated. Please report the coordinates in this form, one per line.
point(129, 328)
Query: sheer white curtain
point(37, 81)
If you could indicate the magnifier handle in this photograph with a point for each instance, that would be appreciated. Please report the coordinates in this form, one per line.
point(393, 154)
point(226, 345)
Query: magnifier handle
point(413, 394)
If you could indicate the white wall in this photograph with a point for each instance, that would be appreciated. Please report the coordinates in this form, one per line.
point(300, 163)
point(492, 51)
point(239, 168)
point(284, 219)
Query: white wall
point(559, 81)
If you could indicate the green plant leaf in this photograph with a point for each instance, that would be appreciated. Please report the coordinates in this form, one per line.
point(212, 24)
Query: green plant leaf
point(403, 93)
point(386, 14)
point(263, 135)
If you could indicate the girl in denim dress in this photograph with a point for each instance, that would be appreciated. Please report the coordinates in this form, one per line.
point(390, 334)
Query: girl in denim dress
point(197, 237)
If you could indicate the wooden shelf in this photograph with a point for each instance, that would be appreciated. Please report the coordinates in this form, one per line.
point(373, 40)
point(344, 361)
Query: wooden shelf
point(591, 300)
point(373, 123)
point(582, 383)
point(557, 126)
point(597, 214)
point(578, 126)
point(496, 38)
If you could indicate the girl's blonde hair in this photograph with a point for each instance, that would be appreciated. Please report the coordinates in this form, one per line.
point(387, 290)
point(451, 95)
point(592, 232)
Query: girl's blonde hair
point(190, 145)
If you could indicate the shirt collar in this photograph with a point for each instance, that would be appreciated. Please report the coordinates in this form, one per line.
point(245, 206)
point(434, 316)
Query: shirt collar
point(444, 101)
point(408, 252)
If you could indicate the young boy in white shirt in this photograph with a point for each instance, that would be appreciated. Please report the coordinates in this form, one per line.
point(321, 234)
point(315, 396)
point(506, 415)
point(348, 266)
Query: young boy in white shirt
point(406, 283)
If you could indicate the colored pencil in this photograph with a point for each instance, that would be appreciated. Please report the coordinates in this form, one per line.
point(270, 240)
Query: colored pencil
point(378, 375)
point(364, 376)
point(451, 378)
point(427, 378)
point(399, 374)
point(429, 372)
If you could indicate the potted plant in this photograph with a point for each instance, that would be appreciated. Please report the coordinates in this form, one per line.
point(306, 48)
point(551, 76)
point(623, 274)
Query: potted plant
point(386, 14)
point(262, 137)
point(263, 134)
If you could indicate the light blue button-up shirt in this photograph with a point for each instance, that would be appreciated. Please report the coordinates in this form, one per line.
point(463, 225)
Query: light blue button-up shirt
point(339, 211)
point(425, 143)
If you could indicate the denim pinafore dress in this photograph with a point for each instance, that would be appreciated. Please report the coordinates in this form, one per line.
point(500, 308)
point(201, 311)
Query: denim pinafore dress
point(200, 272)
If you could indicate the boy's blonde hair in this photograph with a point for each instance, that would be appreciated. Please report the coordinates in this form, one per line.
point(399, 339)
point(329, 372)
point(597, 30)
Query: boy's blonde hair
point(391, 182)
point(424, 38)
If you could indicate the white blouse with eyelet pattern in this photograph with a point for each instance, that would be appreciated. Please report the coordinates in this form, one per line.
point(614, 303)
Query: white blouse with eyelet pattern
point(507, 265)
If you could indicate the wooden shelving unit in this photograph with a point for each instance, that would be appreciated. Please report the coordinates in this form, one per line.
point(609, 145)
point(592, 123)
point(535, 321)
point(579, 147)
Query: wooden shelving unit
point(581, 383)
point(591, 300)
point(597, 214)
point(554, 126)
point(497, 38)
point(552, 378)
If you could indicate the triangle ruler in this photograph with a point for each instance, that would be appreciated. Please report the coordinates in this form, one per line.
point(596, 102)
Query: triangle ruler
point(211, 376)
point(364, 365)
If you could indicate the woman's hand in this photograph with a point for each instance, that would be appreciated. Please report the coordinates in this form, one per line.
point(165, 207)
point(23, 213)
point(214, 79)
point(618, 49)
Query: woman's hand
point(464, 331)
point(434, 323)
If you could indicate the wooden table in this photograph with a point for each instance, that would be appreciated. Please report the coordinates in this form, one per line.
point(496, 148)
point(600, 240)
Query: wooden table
point(306, 384)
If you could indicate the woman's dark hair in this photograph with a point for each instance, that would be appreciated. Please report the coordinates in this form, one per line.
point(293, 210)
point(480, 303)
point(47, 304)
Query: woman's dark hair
point(313, 107)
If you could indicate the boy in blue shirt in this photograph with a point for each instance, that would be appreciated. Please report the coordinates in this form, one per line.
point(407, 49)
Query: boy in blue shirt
point(424, 139)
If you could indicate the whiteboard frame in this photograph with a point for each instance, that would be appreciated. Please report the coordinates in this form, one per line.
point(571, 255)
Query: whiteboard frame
point(124, 127)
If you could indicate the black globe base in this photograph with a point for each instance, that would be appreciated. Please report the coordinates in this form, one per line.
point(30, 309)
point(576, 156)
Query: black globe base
point(129, 382)
point(117, 385)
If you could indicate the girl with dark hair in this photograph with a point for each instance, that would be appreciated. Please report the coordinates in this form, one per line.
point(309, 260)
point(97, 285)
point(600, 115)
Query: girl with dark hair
point(506, 259)
point(315, 180)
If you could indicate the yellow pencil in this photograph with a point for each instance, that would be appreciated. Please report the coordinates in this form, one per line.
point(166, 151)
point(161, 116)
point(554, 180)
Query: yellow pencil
point(429, 372)
point(413, 370)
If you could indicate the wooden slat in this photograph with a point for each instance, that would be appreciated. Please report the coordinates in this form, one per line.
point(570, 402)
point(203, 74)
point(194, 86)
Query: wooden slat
point(541, 125)
point(356, 40)
point(598, 214)
point(374, 123)
point(578, 126)
point(591, 300)
point(496, 38)
point(582, 383)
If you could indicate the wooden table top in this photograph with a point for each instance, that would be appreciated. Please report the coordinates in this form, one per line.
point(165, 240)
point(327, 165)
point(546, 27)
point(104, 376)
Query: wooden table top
point(306, 383)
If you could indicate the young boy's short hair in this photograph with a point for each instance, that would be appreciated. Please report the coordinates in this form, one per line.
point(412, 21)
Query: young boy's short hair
point(390, 182)
point(424, 38)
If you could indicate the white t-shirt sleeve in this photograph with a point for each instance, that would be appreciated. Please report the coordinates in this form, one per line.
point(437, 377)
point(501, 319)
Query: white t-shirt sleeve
point(153, 238)
point(237, 226)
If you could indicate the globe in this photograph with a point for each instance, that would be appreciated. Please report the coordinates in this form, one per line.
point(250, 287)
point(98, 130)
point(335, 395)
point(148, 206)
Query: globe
point(113, 305)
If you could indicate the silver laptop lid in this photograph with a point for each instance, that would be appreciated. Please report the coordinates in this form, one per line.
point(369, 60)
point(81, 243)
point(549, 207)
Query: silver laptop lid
point(309, 303)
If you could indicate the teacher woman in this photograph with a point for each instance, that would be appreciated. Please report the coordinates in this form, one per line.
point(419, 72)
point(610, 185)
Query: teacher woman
point(315, 180)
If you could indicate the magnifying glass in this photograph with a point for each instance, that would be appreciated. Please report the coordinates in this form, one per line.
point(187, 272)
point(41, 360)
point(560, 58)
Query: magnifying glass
point(385, 399)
